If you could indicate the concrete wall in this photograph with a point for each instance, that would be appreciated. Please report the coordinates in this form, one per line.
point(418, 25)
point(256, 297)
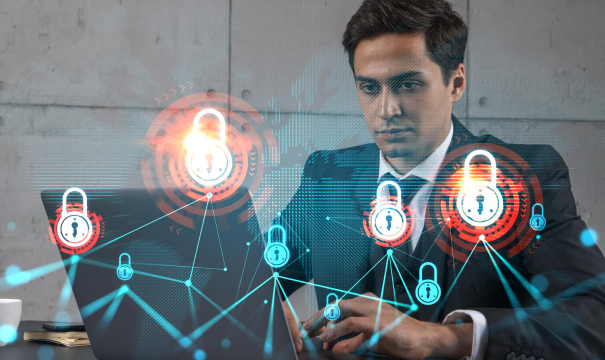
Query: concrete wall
point(79, 82)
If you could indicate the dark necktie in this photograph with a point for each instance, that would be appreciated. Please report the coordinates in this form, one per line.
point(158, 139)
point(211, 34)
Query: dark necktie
point(409, 188)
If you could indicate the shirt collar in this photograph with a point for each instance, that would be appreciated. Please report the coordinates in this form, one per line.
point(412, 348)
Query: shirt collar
point(428, 169)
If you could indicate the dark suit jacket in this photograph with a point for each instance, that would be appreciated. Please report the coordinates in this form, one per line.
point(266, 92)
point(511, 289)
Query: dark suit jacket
point(340, 185)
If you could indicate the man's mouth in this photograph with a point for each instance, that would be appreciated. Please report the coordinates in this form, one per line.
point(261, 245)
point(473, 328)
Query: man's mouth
point(394, 133)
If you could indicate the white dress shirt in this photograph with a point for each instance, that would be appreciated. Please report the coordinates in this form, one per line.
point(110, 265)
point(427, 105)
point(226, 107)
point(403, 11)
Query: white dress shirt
point(428, 170)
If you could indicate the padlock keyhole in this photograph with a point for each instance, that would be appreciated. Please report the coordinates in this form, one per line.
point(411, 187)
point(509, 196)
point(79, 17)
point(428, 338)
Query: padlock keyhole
point(209, 158)
point(388, 218)
point(428, 292)
point(276, 254)
point(75, 226)
point(480, 199)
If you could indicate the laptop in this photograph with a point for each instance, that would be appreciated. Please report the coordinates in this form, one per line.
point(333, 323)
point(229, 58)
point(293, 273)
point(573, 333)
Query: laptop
point(174, 299)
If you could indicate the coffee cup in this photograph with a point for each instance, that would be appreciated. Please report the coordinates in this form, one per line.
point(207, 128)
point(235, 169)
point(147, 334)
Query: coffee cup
point(10, 316)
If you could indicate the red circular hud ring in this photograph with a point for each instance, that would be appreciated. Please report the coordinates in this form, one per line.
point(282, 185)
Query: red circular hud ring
point(164, 169)
point(98, 229)
point(519, 188)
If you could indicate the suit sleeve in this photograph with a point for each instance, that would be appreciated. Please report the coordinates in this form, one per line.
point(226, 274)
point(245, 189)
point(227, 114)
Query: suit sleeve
point(297, 218)
point(571, 272)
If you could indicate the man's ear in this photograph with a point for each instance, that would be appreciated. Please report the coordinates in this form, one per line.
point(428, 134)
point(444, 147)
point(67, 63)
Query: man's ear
point(458, 83)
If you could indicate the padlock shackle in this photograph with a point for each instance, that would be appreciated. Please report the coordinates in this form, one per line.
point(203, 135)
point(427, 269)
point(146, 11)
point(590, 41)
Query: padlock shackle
point(383, 184)
point(328, 299)
point(533, 209)
point(422, 267)
point(120, 259)
point(492, 161)
point(84, 201)
point(283, 233)
point(221, 119)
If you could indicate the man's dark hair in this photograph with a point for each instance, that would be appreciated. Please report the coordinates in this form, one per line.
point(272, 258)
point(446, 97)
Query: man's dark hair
point(444, 30)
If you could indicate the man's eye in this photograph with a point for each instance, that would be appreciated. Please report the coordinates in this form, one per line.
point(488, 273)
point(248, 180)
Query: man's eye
point(407, 85)
point(370, 89)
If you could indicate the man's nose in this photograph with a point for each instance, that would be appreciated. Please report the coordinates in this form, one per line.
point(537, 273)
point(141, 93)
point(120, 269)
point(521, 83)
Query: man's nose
point(389, 106)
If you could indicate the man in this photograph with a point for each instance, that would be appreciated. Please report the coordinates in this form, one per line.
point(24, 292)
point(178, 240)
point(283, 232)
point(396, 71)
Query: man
point(407, 58)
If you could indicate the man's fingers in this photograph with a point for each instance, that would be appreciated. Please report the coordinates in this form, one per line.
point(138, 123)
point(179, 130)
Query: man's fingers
point(352, 307)
point(315, 322)
point(316, 332)
point(347, 326)
point(349, 345)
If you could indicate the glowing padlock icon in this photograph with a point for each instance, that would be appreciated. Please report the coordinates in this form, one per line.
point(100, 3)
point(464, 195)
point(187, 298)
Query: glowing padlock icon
point(388, 220)
point(428, 291)
point(124, 271)
point(479, 203)
point(332, 311)
point(74, 227)
point(276, 252)
point(208, 161)
point(537, 221)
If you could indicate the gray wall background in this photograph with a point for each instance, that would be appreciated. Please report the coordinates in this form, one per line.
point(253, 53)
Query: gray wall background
point(79, 82)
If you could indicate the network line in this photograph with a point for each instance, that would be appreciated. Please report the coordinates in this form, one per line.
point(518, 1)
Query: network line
point(535, 293)
point(199, 239)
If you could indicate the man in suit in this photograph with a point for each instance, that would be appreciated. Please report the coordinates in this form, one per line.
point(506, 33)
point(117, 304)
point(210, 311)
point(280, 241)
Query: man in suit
point(407, 58)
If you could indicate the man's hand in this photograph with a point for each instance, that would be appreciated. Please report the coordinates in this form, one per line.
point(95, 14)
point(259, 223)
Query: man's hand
point(294, 327)
point(407, 337)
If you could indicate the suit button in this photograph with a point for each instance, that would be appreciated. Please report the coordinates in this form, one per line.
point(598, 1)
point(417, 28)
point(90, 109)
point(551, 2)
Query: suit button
point(521, 357)
point(399, 288)
point(511, 356)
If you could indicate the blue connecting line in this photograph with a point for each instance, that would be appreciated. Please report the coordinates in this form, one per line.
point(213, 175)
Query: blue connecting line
point(519, 311)
point(197, 333)
point(243, 269)
point(414, 306)
point(167, 326)
point(98, 304)
point(111, 311)
point(236, 322)
point(377, 320)
point(24, 277)
point(217, 234)
point(366, 274)
point(142, 226)
point(372, 341)
point(308, 342)
point(406, 269)
point(535, 293)
point(394, 303)
point(194, 319)
point(66, 291)
point(138, 272)
point(198, 240)
point(449, 291)
point(268, 348)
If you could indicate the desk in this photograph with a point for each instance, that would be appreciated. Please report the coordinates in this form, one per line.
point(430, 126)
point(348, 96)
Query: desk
point(21, 349)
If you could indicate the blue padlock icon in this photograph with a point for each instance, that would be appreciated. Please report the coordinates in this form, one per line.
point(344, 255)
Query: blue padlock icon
point(124, 270)
point(276, 253)
point(332, 311)
point(537, 221)
point(428, 291)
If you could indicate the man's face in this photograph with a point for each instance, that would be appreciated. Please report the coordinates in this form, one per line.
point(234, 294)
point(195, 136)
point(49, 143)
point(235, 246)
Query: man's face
point(402, 95)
